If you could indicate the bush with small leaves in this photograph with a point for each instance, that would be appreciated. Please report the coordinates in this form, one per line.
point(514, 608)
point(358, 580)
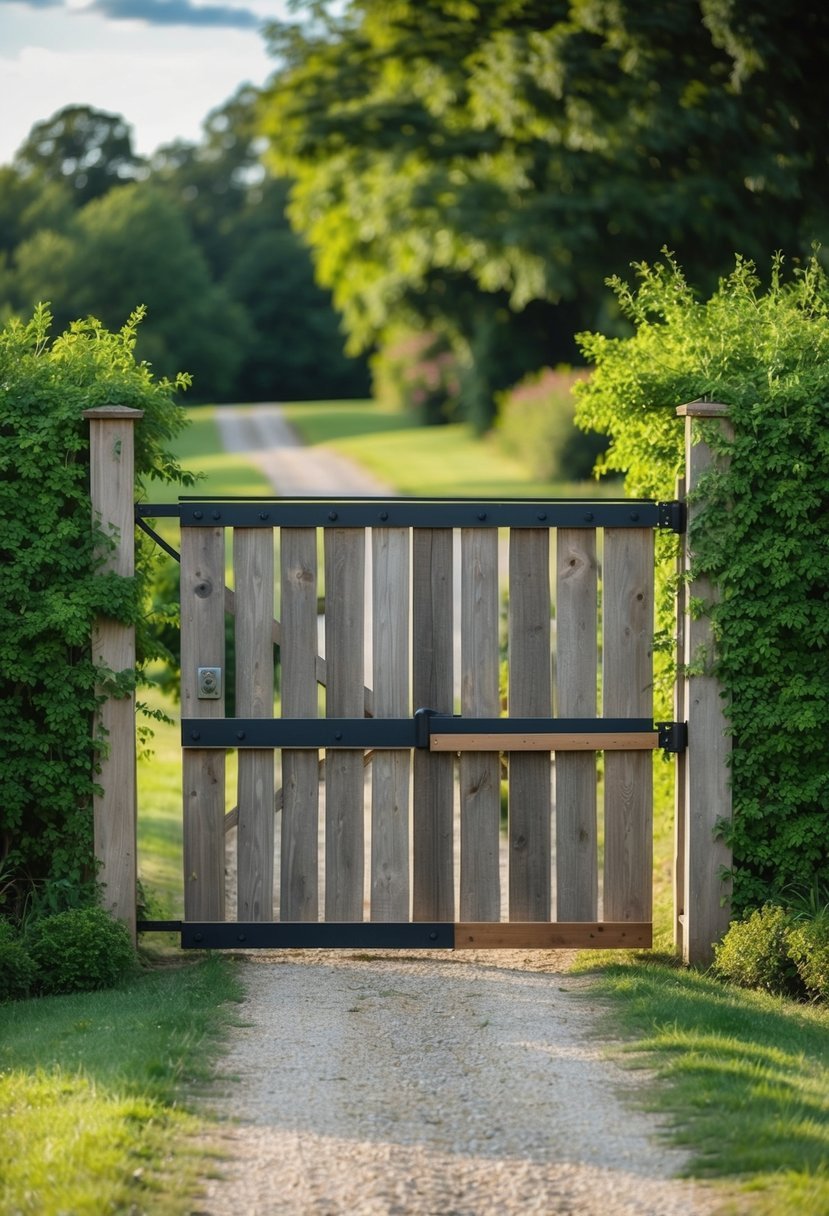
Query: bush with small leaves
point(17, 970)
point(809, 948)
point(761, 532)
point(80, 950)
point(755, 953)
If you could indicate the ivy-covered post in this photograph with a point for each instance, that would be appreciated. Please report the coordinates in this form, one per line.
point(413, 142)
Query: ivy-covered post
point(111, 460)
point(706, 800)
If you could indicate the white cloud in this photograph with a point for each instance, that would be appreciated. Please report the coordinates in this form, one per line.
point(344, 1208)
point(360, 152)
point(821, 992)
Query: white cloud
point(162, 93)
point(163, 79)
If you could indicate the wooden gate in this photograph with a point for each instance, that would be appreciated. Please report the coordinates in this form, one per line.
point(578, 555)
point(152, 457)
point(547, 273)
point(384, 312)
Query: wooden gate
point(442, 776)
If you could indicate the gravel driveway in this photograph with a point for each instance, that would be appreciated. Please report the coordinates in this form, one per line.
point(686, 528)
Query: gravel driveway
point(453, 1085)
point(440, 1084)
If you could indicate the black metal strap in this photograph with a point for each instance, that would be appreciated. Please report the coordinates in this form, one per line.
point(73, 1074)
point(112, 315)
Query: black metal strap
point(159, 540)
point(419, 513)
point(362, 734)
point(362, 935)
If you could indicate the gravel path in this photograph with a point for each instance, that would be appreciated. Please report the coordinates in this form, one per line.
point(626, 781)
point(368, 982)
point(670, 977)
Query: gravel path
point(442, 1084)
point(269, 442)
point(439, 1084)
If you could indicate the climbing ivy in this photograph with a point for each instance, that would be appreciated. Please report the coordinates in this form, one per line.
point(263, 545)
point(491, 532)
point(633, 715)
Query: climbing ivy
point(53, 587)
point(762, 533)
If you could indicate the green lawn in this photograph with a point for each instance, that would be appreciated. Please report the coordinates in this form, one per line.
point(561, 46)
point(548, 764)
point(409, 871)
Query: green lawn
point(742, 1077)
point(95, 1089)
point(443, 461)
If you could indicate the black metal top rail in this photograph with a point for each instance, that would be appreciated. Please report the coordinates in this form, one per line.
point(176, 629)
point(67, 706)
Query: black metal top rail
point(418, 513)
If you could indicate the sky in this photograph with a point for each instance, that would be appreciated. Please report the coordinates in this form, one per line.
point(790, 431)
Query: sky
point(161, 64)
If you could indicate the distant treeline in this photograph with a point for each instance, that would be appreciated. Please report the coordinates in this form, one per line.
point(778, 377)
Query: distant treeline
point(198, 234)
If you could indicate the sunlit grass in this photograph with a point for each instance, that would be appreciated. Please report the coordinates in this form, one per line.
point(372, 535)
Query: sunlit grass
point(444, 461)
point(91, 1089)
point(743, 1077)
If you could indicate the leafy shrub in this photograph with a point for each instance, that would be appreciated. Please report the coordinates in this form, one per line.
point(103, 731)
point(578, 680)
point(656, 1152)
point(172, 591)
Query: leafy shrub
point(755, 953)
point(80, 950)
point(418, 373)
point(809, 948)
point(53, 587)
point(17, 970)
point(536, 426)
point(762, 535)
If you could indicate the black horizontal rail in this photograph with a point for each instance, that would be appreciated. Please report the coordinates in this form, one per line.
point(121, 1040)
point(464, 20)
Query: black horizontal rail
point(418, 513)
point(362, 734)
point(317, 935)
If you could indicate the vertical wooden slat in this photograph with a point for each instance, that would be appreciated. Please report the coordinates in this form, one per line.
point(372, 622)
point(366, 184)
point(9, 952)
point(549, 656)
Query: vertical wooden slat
point(530, 694)
point(480, 883)
point(114, 808)
point(253, 576)
point(344, 653)
point(681, 758)
point(299, 853)
point(627, 611)
point(202, 645)
point(390, 770)
point(708, 799)
point(575, 773)
point(433, 896)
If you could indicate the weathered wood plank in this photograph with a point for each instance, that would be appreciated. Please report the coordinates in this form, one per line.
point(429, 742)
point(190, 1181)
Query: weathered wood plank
point(253, 568)
point(578, 935)
point(575, 776)
point(681, 758)
point(276, 636)
point(708, 798)
point(203, 645)
point(433, 896)
point(114, 808)
point(627, 684)
point(390, 770)
point(530, 693)
point(480, 771)
point(345, 558)
point(299, 852)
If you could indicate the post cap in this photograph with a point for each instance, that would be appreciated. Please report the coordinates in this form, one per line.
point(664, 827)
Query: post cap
point(113, 411)
point(702, 409)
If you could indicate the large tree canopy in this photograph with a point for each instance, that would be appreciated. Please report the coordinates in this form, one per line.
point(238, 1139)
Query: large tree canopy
point(527, 149)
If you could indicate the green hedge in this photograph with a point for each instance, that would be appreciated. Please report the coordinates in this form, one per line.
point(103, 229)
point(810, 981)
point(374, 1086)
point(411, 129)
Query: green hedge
point(53, 588)
point(762, 533)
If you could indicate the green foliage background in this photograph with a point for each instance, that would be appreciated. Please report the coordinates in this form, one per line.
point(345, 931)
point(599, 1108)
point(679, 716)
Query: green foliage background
point(53, 588)
point(762, 534)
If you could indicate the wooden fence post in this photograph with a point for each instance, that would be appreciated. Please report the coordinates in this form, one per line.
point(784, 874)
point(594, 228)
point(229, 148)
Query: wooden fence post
point(111, 464)
point(707, 794)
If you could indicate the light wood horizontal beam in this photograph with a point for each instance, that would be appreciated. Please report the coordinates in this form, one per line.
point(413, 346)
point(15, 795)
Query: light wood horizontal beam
point(544, 742)
point(541, 935)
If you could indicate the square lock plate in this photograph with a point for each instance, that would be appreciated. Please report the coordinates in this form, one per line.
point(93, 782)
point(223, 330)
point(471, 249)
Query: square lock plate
point(210, 683)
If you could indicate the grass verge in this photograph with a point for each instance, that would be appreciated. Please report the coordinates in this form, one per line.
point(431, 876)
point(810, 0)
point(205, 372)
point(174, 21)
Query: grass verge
point(91, 1092)
point(742, 1077)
